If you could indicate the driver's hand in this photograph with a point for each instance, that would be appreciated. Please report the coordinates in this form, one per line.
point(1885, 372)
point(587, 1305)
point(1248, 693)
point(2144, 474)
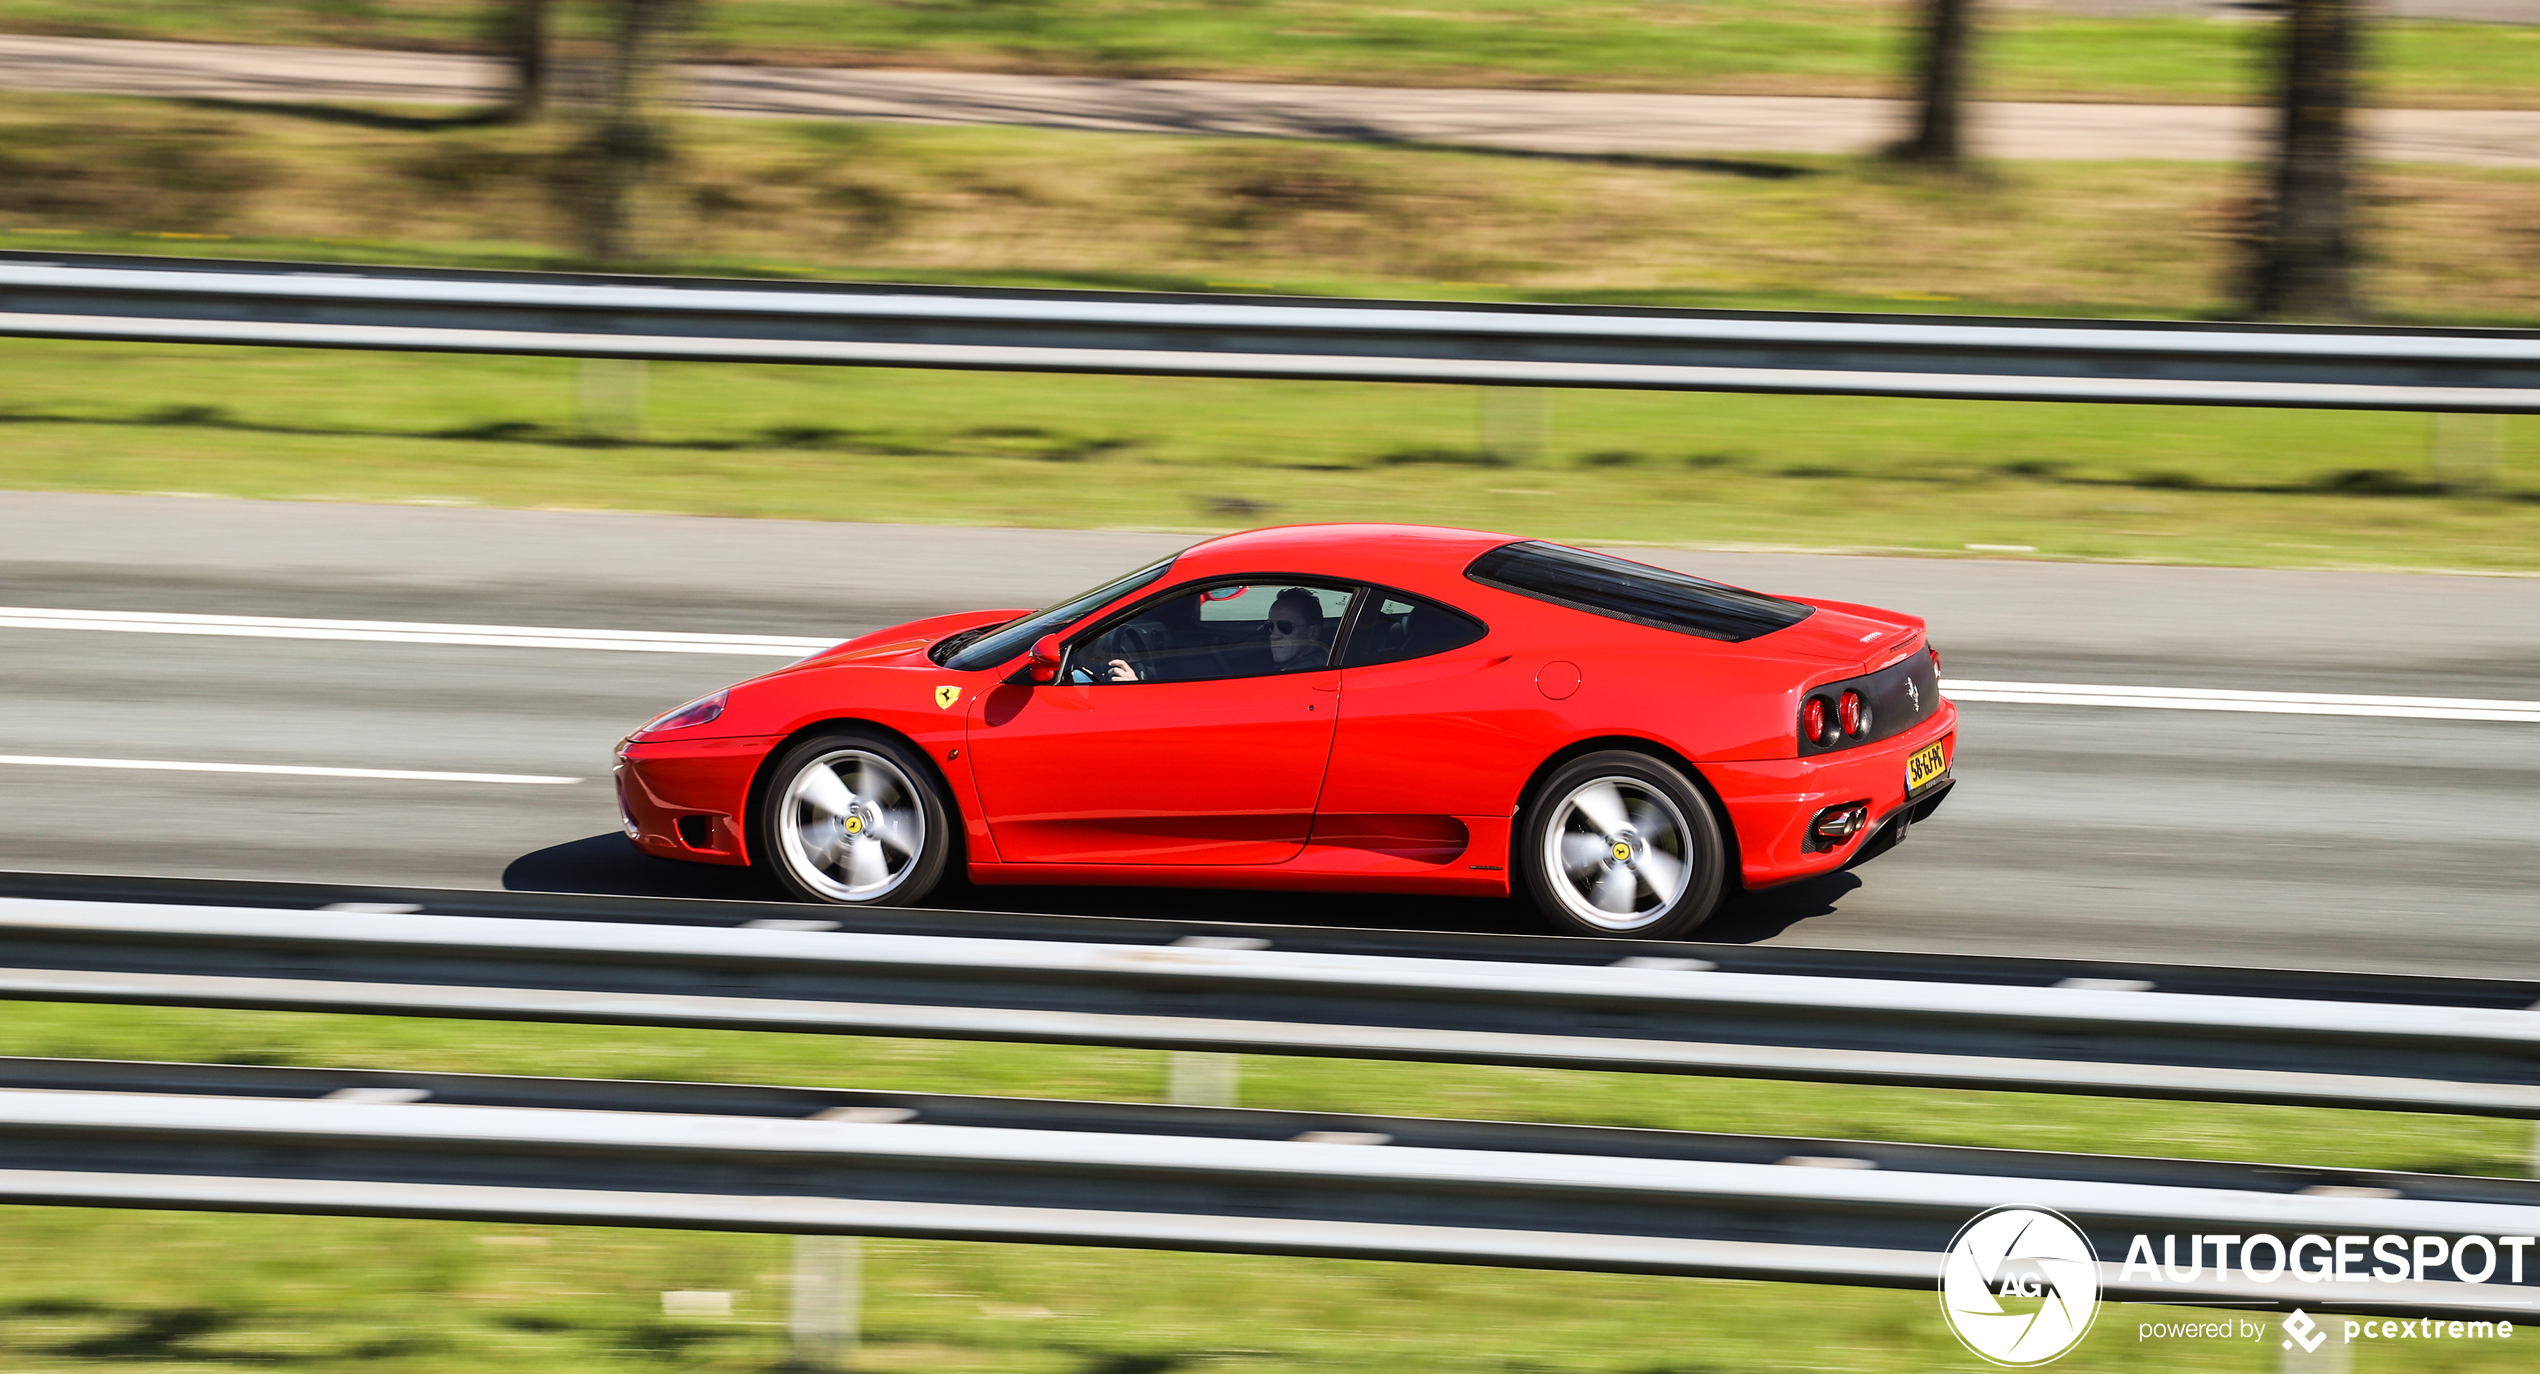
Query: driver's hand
point(1122, 672)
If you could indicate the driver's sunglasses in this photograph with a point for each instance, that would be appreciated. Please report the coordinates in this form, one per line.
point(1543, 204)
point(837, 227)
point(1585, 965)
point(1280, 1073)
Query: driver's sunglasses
point(1283, 627)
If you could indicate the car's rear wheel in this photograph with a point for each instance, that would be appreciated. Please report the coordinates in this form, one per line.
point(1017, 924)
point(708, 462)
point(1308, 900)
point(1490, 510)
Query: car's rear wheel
point(854, 819)
point(1620, 843)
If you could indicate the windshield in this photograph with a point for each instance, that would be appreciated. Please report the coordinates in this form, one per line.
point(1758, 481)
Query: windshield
point(1014, 637)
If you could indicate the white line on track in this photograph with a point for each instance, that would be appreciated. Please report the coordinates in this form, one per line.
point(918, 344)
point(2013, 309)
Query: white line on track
point(289, 770)
point(409, 632)
point(2266, 703)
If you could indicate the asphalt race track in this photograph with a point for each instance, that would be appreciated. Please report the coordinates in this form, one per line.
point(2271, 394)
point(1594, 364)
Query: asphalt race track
point(2370, 843)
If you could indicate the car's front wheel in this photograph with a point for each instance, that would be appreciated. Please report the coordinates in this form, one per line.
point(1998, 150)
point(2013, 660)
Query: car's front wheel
point(854, 819)
point(1620, 843)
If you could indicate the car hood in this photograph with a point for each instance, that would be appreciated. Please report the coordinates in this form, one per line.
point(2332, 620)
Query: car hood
point(900, 641)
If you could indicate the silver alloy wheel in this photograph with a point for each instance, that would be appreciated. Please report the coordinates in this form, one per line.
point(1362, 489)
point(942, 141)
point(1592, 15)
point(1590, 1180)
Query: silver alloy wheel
point(850, 825)
point(1616, 850)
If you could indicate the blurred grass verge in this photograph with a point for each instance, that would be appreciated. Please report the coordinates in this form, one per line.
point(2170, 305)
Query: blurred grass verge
point(1777, 47)
point(1024, 207)
point(150, 1291)
point(2158, 484)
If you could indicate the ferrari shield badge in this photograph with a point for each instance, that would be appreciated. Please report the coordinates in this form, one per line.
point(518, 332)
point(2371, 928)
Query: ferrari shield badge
point(945, 697)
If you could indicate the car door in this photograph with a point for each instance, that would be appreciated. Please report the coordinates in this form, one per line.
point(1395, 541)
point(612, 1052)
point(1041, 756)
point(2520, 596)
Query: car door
point(1432, 732)
point(1192, 729)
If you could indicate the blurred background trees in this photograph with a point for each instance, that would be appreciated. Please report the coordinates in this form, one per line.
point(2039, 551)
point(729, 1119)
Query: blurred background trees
point(1945, 31)
point(519, 30)
point(622, 159)
point(2302, 254)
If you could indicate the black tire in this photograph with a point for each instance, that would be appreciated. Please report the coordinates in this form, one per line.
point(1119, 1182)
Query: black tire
point(847, 842)
point(1605, 835)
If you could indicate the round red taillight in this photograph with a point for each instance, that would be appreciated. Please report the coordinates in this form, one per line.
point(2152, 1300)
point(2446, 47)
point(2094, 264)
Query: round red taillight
point(1851, 714)
point(1812, 720)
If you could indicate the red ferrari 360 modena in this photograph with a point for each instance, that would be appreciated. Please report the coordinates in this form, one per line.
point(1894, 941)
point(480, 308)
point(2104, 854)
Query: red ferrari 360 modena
point(1363, 708)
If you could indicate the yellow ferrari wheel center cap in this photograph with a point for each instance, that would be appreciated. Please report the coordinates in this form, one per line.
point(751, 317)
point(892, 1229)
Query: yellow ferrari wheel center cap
point(855, 825)
point(1622, 852)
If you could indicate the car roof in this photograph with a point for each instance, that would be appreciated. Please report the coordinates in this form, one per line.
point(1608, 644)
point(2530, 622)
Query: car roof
point(1394, 554)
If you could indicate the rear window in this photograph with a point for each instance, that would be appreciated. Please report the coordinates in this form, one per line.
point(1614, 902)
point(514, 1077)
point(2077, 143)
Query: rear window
point(1623, 590)
point(1393, 627)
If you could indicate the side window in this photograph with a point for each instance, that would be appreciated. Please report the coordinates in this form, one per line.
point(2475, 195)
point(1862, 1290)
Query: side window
point(1395, 627)
point(1228, 630)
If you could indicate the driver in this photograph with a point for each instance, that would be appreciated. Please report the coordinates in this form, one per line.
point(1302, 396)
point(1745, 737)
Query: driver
point(1298, 636)
point(1296, 631)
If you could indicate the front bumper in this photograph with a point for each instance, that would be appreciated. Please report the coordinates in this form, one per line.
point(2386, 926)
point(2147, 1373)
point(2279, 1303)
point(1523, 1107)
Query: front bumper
point(690, 799)
point(1773, 803)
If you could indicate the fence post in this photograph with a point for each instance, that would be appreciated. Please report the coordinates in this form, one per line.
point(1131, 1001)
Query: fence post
point(2468, 450)
point(824, 1321)
point(1515, 425)
point(1196, 1078)
point(608, 395)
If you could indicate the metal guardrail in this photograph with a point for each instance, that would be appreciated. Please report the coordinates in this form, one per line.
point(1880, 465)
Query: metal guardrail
point(420, 310)
point(810, 1161)
point(1663, 1019)
point(1990, 969)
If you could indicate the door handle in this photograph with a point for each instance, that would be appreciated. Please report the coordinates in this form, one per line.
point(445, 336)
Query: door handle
point(1334, 687)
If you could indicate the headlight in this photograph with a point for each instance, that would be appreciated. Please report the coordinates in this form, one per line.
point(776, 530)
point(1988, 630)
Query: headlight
point(697, 712)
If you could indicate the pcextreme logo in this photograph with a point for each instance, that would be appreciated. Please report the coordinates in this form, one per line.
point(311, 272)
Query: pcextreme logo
point(2020, 1286)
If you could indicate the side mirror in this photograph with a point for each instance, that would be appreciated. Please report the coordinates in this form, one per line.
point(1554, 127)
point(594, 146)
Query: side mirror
point(1043, 665)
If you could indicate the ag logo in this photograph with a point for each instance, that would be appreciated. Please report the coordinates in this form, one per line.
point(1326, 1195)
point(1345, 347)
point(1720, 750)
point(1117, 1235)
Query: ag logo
point(2020, 1285)
point(945, 697)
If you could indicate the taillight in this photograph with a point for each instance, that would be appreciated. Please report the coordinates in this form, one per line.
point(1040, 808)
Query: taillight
point(1935, 663)
point(1853, 714)
point(1812, 720)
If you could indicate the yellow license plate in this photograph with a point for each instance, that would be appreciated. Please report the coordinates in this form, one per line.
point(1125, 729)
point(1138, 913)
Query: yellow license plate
point(1926, 767)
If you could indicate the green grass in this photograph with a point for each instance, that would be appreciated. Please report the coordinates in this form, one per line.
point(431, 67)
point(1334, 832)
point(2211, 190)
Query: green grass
point(175, 1293)
point(2166, 484)
point(1839, 47)
point(80, 1289)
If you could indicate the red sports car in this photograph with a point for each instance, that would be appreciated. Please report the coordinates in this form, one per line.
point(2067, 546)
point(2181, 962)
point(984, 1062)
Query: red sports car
point(1365, 708)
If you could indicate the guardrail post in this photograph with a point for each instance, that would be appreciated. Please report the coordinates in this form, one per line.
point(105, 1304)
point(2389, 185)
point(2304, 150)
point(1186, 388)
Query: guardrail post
point(2469, 450)
point(827, 1305)
point(1197, 1079)
point(1515, 425)
point(608, 398)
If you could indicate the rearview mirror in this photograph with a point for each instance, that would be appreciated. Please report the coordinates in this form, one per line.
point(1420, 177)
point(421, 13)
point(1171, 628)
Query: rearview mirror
point(1043, 665)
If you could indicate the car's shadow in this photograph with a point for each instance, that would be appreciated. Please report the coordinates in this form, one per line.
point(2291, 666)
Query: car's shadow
point(608, 865)
point(1754, 917)
point(611, 866)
